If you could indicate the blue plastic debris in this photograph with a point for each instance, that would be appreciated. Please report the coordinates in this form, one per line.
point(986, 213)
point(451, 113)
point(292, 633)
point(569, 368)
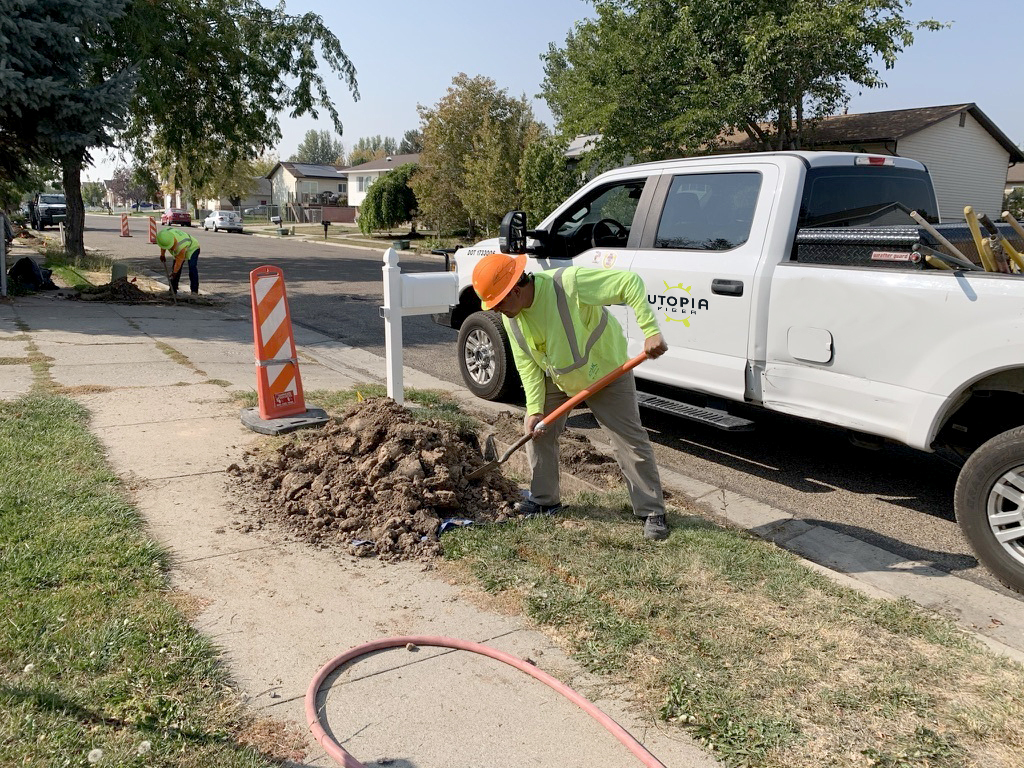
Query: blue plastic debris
point(453, 522)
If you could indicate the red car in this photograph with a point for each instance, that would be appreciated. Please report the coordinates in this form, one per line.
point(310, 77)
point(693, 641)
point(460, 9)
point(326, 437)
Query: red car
point(176, 216)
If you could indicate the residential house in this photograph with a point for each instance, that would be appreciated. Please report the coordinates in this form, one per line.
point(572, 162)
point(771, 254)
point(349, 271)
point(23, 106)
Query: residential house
point(300, 189)
point(260, 195)
point(1014, 178)
point(966, 154)
point(361, 177)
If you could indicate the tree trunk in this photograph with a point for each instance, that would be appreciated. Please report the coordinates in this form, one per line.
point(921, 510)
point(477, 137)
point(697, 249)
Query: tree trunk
point(74, 223)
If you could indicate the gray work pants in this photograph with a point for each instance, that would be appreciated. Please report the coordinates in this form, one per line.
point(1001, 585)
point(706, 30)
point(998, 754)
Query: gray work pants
point(616, 410)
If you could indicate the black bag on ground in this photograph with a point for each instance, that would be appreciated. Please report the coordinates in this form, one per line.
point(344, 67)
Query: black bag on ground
point(30, 276)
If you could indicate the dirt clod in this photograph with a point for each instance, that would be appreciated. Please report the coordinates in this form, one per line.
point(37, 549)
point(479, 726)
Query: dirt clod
point(375, 482)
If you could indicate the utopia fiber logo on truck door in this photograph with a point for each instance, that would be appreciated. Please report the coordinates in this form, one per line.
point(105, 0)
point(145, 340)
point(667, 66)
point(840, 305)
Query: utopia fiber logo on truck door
point(676, 303)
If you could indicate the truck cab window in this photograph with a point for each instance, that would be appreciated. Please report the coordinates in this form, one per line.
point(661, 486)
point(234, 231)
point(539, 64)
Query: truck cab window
point(602, 219)
point(708, 211)
point(865, 196)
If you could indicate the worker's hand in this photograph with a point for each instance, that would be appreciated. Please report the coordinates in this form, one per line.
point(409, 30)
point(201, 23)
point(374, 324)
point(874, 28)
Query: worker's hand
point(531, 421)
point(163, 258)
point(655, 346)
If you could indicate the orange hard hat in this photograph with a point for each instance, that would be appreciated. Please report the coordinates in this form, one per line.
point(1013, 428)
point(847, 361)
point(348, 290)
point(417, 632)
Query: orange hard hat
point(495, 275)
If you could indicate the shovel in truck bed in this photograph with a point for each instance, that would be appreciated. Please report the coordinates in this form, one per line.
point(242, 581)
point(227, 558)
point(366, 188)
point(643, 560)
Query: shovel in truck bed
point(564, 408)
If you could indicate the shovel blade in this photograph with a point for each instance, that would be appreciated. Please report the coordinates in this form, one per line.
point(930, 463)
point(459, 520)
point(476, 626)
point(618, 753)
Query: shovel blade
point(479, 472)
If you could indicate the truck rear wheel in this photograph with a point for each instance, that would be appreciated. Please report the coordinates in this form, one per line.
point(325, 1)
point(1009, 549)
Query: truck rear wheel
point(989, 503)
point(485, 358)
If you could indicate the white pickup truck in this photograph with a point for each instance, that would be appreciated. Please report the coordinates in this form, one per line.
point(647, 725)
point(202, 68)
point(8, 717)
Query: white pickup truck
point(797, 282)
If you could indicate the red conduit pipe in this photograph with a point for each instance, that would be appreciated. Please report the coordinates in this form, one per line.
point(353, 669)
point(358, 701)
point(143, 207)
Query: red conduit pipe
point(343, 758)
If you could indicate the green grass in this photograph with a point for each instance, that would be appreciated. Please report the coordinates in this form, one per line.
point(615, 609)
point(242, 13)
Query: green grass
point(762, 660)
point(94, 653)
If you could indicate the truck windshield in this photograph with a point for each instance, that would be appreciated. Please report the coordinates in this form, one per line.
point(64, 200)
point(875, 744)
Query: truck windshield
point(51, 199)
point(865, 196)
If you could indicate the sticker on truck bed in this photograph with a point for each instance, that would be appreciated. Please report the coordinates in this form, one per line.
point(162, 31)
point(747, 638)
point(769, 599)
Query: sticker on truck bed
point(891, 256)
point(676, 303)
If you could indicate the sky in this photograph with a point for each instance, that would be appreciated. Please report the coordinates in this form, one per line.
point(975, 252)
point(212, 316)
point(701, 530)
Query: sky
point(406, 53)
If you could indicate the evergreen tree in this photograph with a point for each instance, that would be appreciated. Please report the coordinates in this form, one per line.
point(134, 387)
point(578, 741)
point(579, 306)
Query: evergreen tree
point(319, 148)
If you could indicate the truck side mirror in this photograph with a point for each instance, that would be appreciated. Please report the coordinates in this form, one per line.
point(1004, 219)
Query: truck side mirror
point(512, 235)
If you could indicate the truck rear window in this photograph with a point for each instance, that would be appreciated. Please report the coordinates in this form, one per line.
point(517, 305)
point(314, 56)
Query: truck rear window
point(865, 196)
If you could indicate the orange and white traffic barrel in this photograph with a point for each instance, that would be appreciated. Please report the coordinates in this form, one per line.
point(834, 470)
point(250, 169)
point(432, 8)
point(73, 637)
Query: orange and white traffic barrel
point(152, 230)
point(124, 226)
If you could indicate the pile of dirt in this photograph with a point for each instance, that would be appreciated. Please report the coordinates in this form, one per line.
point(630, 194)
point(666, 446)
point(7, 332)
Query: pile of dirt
point(121, 291)
point(375, 482)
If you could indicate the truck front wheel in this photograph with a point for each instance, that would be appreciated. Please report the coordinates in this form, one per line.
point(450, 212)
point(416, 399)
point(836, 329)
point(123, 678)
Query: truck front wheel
point(485, 359)
point(989, 502)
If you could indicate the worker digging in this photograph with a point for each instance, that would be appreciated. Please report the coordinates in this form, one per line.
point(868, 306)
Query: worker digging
point(566, 343)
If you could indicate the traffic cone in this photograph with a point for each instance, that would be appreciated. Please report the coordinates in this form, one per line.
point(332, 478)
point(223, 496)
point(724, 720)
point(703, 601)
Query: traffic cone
point(282, 405)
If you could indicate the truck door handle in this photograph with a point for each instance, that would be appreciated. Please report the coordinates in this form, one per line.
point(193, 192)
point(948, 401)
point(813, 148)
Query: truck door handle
point(727, 287)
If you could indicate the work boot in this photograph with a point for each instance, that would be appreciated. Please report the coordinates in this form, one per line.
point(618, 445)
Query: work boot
point(655, 528)
point(527, 506)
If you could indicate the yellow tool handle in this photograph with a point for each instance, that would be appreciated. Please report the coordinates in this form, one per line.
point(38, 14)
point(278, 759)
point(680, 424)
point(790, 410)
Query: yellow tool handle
point(987, 259)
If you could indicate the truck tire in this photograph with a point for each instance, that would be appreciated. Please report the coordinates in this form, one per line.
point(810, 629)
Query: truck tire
point(989, 504)
point(485, 358)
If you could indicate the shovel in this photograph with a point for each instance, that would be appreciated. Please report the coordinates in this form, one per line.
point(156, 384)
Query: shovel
point(174, 293)
point(564, 408)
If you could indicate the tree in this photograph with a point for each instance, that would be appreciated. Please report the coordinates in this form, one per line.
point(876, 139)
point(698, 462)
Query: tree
point(253, 61)
point(93, 193)
point(412, 143)
point(319, 148)
point(389, 201)
point(372, 148)
point(1014, 203)
point(56, 100)
point(545, 178)
point(473, 140)
point(129, 186)
point(705, 67)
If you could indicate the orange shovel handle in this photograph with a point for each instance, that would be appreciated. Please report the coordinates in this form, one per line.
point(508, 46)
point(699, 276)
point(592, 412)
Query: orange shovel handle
point(597, 386)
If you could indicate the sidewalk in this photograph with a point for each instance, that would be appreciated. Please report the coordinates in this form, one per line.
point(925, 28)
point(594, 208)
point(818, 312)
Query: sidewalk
point(281, 609)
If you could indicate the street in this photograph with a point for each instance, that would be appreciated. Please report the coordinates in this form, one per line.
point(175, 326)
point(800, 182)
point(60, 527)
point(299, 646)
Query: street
point(894, 497)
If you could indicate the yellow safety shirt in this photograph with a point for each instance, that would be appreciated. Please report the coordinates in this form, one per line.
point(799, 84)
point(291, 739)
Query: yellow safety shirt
point(568, 334)
point(183, 247)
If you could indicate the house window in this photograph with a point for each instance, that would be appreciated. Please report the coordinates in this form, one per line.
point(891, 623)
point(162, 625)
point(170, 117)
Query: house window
point(342, 188)
point(361, 183)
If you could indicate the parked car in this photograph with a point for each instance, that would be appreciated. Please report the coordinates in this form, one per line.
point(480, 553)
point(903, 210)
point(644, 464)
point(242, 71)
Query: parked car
point(176, 216)
point(229, 221)
point(259, 210)
point(143, 206)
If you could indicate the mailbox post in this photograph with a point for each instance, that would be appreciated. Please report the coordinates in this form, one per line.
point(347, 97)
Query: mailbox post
point(326, 225)
point(419, 294)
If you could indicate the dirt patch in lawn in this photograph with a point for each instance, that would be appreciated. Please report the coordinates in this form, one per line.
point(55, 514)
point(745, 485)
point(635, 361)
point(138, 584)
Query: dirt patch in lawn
point(375, 482)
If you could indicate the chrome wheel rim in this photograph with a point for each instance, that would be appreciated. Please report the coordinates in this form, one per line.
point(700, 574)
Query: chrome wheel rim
point(479, 357)
point(1005, 511)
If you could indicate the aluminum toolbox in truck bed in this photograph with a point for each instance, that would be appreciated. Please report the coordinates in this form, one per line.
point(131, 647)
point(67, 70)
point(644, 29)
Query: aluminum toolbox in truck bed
point(885, 247)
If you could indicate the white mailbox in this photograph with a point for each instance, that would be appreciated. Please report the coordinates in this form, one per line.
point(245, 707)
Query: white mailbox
point(429, 292)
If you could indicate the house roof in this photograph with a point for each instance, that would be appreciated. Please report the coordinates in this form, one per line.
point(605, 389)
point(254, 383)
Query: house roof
point(889, 126)
point(385, 164)
point(1015, 175)
point(308, 171)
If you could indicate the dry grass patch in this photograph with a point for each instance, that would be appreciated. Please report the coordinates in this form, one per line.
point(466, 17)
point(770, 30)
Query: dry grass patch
point(762, 660)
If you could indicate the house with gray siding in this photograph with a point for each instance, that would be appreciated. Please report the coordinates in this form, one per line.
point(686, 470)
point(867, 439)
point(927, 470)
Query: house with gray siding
point(966, 154)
